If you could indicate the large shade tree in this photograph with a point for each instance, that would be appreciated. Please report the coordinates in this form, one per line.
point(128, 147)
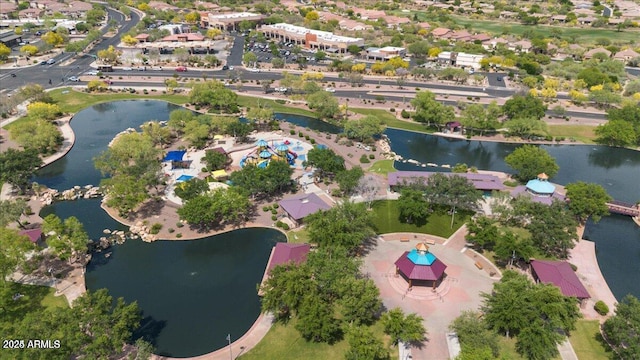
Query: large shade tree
point(403, 328)
point(529, 161)
point(326, 161)
point(67, 238)
point(622, 330)
point(264, 182)
point(588, 200)
point(431, 111)
point(347, 225)
point(17, 166)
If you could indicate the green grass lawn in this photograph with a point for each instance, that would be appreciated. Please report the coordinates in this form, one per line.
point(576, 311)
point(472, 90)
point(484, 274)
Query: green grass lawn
point(582, 35)
point(35, 299)
point(582, 133)
point(71, 101)
point(586, 343)
point(299, 236)
point(439, 223)
point(283, 342)
point(391, 121)
point(382, 167)
point(249, 101)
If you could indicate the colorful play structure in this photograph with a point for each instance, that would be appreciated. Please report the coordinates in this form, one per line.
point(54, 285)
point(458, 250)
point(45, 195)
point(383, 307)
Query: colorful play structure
point(264, 153)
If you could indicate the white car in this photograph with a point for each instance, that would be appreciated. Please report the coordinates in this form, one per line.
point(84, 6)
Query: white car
point(281, 89)
point(330, 89)
point(254, 70)
point(92, 72)
point(73, 78)
point(127, 69)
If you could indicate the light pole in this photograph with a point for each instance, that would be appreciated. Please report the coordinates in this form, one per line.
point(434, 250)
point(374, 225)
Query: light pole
point(230, 352)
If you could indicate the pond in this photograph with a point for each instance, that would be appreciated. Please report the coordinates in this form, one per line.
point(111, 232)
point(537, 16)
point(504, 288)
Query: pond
point(188, 291)
point(617, 238)
point(193, 293)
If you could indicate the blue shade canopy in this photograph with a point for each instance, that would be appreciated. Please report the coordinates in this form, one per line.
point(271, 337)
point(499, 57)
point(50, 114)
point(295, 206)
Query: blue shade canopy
point(421, 258)
point(175, 155)
point(541, 187)
point(265, 154)
point(282, 147)
point(261, 142)
point(184, 178)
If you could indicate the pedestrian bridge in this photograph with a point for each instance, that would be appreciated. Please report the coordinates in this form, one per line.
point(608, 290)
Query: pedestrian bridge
point(622, 208)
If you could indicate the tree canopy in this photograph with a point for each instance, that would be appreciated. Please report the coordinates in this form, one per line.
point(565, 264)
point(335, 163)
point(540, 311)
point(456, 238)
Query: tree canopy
point(216, 208)
point(401, 327)
point(524, 106)
point(264, 182)
point(17, 166)
point(532, 312)
point(431, 111)
point(326, 161)
point(347, 225)
point(622, 330)
point(13, 248)
point(588, 200)
point(348, 180)
point(529, 161)
point(213, 93)
point(474, 335)
point(324, 103)
point(364, 128)
point(67, 238)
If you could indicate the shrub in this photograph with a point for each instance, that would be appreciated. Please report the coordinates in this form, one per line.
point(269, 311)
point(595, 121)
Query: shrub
point(274, 218)
point(306, 137)
point(285, 226)
point(179, 224)
point(392, 110)
point(300, 134)
point(313, 141)
point(601, 308)
point(204, 169)
point(292, 132)
point(171, 230)
point(280, 101)
point(178, 235)
point(405, 114)
point(371, 156)
point(274, 211)
point(364, 159)
point(155, 228)
point(279, 223)
point(275, 206)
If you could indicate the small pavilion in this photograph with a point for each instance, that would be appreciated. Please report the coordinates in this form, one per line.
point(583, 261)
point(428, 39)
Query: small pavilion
point(420, 267)
point(539, 190)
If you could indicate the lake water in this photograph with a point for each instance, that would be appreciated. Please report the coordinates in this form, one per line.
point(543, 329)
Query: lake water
point(617, 237)
point(193, 293)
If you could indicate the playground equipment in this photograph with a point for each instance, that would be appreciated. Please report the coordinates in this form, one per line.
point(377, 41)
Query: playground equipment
point(263, 154)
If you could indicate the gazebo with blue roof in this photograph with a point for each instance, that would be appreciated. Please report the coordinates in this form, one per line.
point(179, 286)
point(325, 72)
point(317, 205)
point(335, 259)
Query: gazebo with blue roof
point(420, 267)
point(541, 186)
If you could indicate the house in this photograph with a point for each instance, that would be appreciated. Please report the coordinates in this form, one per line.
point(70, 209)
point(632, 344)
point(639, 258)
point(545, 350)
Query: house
point(30, 14)
point(369, 14)
point(508, 15)
point(352, 25)
point(522, 46)
point(299, 207)
point(460, 59)
point(560, 274)
point(6, 8)
point(424, 25)
point(589, 54)
point(559, 18)
point(493, 43)
point(480, 37)
point(626, 55)
point(440, 32)
point(142, 37)
point(394, 22)
point(459, 35)
point(587, 20)
point(385, 53)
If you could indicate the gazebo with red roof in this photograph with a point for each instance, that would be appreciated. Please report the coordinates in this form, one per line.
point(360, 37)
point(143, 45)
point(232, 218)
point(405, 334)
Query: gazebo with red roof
point(420, 267)
point(560, 274)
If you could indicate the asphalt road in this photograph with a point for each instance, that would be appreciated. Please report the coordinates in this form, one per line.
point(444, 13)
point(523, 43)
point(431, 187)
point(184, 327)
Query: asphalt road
point(41, 74)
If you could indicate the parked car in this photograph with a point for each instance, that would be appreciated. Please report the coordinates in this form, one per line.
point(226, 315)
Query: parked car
point(256, 70)
point(330, 89)
point(51, 61)
point(73, 78)
point(181, 69)
point(499, 78)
